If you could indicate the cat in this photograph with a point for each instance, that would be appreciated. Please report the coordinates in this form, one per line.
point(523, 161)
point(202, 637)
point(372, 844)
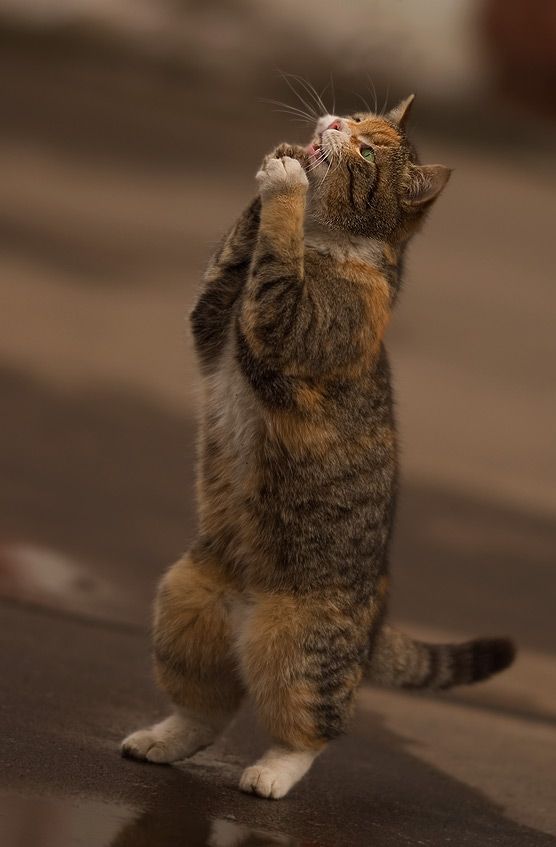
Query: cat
point(283, 596)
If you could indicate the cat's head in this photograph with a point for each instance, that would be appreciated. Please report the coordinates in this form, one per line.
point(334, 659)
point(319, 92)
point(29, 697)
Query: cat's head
point(365, 177)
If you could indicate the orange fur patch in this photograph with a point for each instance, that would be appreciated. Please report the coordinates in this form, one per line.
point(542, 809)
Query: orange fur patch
point(377, 131)
point(282, 224)
point(276, 666)
point(192, 636)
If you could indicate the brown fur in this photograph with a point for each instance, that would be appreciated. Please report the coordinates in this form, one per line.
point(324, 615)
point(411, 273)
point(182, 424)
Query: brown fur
point(284, 595)
point(193, 659)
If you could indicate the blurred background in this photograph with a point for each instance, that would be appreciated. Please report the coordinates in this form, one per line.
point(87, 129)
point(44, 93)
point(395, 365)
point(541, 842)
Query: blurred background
point(131, 132)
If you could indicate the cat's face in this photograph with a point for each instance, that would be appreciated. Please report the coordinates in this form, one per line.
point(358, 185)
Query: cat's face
point(365, 177)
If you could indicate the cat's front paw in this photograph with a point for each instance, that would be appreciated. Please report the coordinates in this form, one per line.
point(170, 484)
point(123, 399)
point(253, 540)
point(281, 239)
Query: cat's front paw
point(281, 176)
point(294, 151)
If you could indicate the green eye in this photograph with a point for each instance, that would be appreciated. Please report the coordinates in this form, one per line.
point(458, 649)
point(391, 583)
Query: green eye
point(368, 153)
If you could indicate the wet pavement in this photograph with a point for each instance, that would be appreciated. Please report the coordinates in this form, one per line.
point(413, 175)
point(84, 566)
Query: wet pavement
point(100, 259)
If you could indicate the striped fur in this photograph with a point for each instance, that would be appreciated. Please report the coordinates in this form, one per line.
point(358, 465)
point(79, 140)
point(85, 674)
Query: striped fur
point(284, 594)
point(399, 661)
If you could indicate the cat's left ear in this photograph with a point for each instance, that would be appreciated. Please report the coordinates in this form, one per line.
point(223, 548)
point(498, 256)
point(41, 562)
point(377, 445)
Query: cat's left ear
point(425, 183)
point(400, 113)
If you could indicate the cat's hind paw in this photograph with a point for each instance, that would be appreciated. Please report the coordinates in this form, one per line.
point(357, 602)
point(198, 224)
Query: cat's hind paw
point(168, 741)
point(277, 772)
point(265, 782)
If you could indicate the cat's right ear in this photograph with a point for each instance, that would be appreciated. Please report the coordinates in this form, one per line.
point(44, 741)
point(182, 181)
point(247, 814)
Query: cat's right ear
point(425, 182)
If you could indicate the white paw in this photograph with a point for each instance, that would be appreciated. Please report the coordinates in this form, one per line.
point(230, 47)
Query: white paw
point(172, 739)
point(277, 771)
point(265, 782)
point(280, 176)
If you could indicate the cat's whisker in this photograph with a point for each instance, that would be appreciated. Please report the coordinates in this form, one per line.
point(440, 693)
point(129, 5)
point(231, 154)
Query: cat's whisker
point(308, 89)
point(331, 160)
point(368, 108)
point(385, 104)
point(339, 162)
point(315, 164)
point(375, 101)
point(333, 93)
point(322, 101)
point(324, 177)
point(311, 91)
point(289, 108)
point(294, 117)
point(294, 90)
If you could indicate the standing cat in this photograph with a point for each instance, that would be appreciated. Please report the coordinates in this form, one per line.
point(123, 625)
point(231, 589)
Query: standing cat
point(284, 594)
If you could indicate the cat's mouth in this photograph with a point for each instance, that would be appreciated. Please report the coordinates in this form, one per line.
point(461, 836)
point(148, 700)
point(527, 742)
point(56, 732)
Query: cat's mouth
point(316, 150)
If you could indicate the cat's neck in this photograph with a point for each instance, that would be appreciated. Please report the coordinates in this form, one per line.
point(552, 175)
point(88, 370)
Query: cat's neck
point(342, 245)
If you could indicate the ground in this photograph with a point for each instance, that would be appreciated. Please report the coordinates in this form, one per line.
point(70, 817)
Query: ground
point(107, 219)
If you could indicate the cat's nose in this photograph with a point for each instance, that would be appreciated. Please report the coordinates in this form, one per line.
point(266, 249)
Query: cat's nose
point(336, 124)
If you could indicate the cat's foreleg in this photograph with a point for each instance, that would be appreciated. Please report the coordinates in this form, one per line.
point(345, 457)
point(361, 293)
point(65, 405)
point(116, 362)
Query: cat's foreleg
point(193, 661)
point(274, 304)
point(222, 284)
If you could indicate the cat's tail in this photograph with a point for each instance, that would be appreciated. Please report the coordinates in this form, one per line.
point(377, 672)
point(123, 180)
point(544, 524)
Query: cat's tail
point(399, 661)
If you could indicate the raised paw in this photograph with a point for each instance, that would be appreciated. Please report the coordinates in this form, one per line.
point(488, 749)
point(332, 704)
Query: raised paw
point(294, 151)
point(168, 741)
point(281, 176)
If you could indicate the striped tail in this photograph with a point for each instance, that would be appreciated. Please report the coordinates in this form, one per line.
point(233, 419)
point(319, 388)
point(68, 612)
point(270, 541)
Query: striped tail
point(401, 662)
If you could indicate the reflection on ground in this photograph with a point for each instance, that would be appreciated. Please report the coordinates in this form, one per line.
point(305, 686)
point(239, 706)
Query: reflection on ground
point(47, 821)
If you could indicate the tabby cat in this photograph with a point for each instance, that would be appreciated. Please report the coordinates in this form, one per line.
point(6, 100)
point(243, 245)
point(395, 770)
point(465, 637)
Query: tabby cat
point(283, 596)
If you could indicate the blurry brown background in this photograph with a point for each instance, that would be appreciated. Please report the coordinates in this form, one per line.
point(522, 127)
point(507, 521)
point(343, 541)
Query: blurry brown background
point(131, 132)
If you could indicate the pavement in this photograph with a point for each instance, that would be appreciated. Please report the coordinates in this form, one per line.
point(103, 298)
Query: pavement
point(113, 193)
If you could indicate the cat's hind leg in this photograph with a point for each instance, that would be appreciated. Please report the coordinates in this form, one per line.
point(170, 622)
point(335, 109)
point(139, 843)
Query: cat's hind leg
point(302, 662)
point(194, 662)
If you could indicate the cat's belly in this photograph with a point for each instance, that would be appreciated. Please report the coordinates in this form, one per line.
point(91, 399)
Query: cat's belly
point(278, 510)
point(229, 448)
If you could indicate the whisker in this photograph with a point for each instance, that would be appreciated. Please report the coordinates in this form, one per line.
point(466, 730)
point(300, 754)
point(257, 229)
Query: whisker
point(311, 91)
point(326, 87)
point(333, 93)
point(320, 158)
point(315, 165)
point(289, 108)
point(295, 117)
point(374, 92)
point(363, 101)
point(292, 117)
point(325, 175)
point(330, 172)
point(385, 100)
point(296, 93)
point(339, 162)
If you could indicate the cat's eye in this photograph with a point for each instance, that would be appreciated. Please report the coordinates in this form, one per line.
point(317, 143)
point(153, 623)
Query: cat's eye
point(368, 153)
point(357, 120)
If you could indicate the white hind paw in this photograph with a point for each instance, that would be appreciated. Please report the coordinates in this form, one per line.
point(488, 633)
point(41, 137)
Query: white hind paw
point(264, 782)
point(277, 771)
point(168, 741)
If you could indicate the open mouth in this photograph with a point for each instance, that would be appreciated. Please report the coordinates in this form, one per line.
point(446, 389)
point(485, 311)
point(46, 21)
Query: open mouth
point(316, 150)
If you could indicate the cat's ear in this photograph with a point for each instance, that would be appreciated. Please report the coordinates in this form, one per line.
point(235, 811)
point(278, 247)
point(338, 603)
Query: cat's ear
point(425, 183)
point(400, 113)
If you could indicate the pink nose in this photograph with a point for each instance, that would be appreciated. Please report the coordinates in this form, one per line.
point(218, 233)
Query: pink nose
point(335, 125)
